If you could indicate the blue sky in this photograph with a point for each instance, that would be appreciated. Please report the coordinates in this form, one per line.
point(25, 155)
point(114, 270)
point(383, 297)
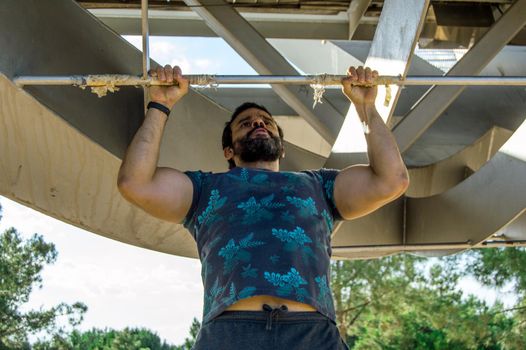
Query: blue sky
point(124, 285)
point(195, 55)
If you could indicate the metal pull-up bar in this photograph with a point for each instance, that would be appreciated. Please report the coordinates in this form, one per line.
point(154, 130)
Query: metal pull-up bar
point(214, 80)
point(102, 84)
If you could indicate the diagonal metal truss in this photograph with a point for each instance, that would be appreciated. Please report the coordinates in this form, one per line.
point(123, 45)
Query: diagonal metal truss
point(437, 99)
point(249, 44)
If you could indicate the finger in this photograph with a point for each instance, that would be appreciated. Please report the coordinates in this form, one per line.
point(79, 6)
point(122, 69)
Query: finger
point(178, 76)
point(168, 71)
point(375, 74)
point(177, 71)
point(160, 74)
point(368, 75)
point(181, 81)
point(353, 74)
point(361, 74)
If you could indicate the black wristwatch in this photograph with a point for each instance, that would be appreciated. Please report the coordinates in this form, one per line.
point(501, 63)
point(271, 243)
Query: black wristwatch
point(160, 107)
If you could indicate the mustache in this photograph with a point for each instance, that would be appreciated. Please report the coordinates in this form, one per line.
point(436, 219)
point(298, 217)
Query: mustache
point(257, 128)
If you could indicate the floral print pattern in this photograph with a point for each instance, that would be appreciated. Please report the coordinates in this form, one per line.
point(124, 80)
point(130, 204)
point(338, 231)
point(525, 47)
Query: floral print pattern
point(262, 232)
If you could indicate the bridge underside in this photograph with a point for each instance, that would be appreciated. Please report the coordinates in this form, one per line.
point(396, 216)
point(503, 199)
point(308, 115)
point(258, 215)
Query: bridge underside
point(60, 147)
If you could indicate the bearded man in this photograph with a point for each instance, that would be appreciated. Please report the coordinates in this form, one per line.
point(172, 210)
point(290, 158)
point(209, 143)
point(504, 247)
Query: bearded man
point(263, 235)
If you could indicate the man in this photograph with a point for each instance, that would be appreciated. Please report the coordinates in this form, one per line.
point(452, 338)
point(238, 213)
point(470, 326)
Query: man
point(263, 235)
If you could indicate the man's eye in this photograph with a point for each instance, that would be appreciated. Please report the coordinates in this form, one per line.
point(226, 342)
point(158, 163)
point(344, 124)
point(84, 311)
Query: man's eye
point(245, 124)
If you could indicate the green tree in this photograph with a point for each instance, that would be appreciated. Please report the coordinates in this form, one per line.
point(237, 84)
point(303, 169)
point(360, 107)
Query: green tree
point(190, 341)
point(404, 302)
point(363, 285)
point(500, 268)
point(108, 339)
point(21, 262)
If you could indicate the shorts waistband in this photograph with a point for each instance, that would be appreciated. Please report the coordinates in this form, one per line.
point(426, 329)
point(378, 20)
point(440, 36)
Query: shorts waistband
point(263, 316)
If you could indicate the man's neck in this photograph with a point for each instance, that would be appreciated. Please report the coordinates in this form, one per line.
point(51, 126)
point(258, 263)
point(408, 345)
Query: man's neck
point(272, 166)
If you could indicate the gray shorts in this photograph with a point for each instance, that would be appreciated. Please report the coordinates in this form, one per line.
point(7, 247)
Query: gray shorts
point(272, 329)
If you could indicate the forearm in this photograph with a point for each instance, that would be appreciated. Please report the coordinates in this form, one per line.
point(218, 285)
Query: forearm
point(140, 162)
point(384, 155)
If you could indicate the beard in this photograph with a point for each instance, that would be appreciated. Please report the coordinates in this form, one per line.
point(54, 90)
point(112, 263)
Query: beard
point(257, 149)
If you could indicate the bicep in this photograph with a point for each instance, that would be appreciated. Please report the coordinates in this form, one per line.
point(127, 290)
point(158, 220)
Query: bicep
point(358, 192)
point(168, 196)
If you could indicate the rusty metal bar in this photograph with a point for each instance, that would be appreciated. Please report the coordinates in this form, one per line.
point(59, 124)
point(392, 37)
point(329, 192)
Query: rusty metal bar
point(325, 80)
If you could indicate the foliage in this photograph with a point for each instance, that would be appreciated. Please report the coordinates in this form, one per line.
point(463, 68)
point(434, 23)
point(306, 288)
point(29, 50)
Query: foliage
point(190, 341)
point(107, 339)
point(21, 262)
point(364, 285)
point(405, 302)
point(500, 266)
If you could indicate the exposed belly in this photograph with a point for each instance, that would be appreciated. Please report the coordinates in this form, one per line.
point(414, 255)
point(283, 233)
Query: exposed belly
point(256, 304)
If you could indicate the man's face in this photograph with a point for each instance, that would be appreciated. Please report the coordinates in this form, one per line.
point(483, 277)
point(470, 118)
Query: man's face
point(255, 136)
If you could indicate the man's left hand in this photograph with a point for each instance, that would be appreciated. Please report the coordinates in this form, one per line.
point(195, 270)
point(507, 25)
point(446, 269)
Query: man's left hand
point(360, 95)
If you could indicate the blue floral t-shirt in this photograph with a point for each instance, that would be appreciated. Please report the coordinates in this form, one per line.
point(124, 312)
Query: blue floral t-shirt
point(261, 232)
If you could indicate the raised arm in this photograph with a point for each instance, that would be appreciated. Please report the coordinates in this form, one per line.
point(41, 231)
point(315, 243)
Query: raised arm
point(361, 189)
point(162, 192)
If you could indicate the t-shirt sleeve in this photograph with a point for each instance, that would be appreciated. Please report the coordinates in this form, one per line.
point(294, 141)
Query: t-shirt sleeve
point(327, 177)
point(197, 178)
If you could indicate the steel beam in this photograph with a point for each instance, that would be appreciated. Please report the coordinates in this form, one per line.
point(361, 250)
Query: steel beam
point(243, 38)
point(145, 48)
point(145, 39)
point(270, 25)
point(356, 11)
point(390, 55)
point(437, 99)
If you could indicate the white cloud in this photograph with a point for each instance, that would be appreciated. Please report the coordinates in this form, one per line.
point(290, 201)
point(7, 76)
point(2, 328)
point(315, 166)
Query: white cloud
point(122, 285)
point(204, 65)
point(470, 286)
point(165, 50)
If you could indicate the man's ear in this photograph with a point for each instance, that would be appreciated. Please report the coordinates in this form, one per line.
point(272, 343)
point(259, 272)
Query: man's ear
point(228, 152)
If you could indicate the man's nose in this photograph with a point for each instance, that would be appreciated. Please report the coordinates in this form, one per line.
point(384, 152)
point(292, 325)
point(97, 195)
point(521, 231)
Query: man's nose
point(258, 123)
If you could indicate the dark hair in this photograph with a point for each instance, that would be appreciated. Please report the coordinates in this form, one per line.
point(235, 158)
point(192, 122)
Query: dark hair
point(227, 141)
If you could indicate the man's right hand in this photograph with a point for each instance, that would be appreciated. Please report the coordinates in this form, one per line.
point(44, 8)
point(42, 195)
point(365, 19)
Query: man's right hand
point(168, 95)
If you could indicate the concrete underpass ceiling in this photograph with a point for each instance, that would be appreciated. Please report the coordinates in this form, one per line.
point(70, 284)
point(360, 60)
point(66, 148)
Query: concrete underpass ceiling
point(66, 137)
